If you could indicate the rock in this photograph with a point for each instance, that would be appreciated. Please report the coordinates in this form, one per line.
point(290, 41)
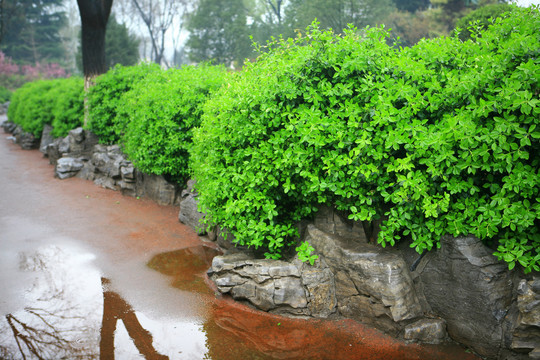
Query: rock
point(9, 127)
point(106, 182)
point(128, 172)
point(158, 189)
point(332, 222)
point(81, 142)
point(378, 273)
point(466, 285)
point(106, 163)
point(320, 284)
point(53, 151)
point(526, 335)
point(224, 238)
point(189, 213)
point(68, 167)
point(87, 172)
point(274, 285)
point(289, 291)
point(27, 141)
point(46, 138)
point(78, 144)
point(529, 302)
point(431, 331)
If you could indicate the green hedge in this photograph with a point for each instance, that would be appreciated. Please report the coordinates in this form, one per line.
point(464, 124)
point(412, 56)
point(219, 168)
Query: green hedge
point(162, 110)
point(57, 102)
point(440, 138)
point(5, 95)
point(104, 99)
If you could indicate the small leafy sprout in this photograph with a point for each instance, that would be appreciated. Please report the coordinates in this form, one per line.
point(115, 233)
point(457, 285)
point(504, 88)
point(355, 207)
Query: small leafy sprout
point(305, 253)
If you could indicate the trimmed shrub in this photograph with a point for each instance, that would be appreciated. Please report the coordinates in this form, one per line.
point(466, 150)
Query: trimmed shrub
point(104, 98)
point(163, 108)
point(68, 109)
point(30, 108)
point(440, 138)
point(56, 102)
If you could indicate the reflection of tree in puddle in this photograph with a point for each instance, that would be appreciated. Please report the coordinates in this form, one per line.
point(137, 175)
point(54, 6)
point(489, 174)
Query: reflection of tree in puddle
point(115, 308)
point(61, 312)
point(54, 322)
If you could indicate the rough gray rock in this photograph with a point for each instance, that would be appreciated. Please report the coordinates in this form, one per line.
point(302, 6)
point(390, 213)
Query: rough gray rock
point(377, 273)
point(108, 160)
point(276, 286)
point(78, 144)
point(189, 213)
point(332, 222)
point(431, 331)
point(9, 127)
point(68, 167)
point(46, 138)
point(106, 182)
point(158, 189)
point(526, 336)
point(27, 141)
point(466, 285)
point(88, 172)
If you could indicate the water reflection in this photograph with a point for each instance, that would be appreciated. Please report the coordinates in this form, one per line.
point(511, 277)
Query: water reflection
point(70, 311)
point(57, 317)
point(115, 308)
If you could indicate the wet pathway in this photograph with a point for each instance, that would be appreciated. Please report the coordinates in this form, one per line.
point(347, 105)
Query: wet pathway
point(86, 273)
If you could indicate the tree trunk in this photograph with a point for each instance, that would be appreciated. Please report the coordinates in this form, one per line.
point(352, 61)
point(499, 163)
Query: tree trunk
point(94, 17)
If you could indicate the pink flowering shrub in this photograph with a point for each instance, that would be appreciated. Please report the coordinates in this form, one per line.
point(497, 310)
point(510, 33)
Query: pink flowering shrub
point(13, 76)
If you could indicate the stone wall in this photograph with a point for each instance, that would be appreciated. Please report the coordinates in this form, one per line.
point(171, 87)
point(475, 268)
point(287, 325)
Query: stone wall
point(80, 154)
point(460, 292)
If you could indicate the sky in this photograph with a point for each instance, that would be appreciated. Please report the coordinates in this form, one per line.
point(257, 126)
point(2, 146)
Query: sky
point(526, 3)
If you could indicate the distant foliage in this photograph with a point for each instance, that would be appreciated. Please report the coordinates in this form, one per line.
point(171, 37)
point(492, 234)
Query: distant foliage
point(441, 138)
point(12, 75)
point(5, 95)
point(479, 19)
point(56, 102)
point(104, 98)
point(162, 109)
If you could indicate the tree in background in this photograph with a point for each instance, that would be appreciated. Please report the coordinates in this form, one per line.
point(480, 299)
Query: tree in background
point(407, 28)
point(30, 30)
point(219, 32)
point(411, 6)
point(482, 16)
point(158, 17)
point(336, 14)
point(267, 16)
point(94, 17)
point(121, 47)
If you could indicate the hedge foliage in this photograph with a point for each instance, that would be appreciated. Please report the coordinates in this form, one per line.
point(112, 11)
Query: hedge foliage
point(104, 99)
point(441, 138)
point(162, 110)
point(58, 102)
point(5, 95)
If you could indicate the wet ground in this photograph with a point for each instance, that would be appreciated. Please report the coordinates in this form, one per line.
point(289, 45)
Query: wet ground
point(86, 273)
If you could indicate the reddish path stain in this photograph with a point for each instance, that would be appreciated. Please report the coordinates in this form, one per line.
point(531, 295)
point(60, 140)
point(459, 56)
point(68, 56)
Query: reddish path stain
point(127, 230)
